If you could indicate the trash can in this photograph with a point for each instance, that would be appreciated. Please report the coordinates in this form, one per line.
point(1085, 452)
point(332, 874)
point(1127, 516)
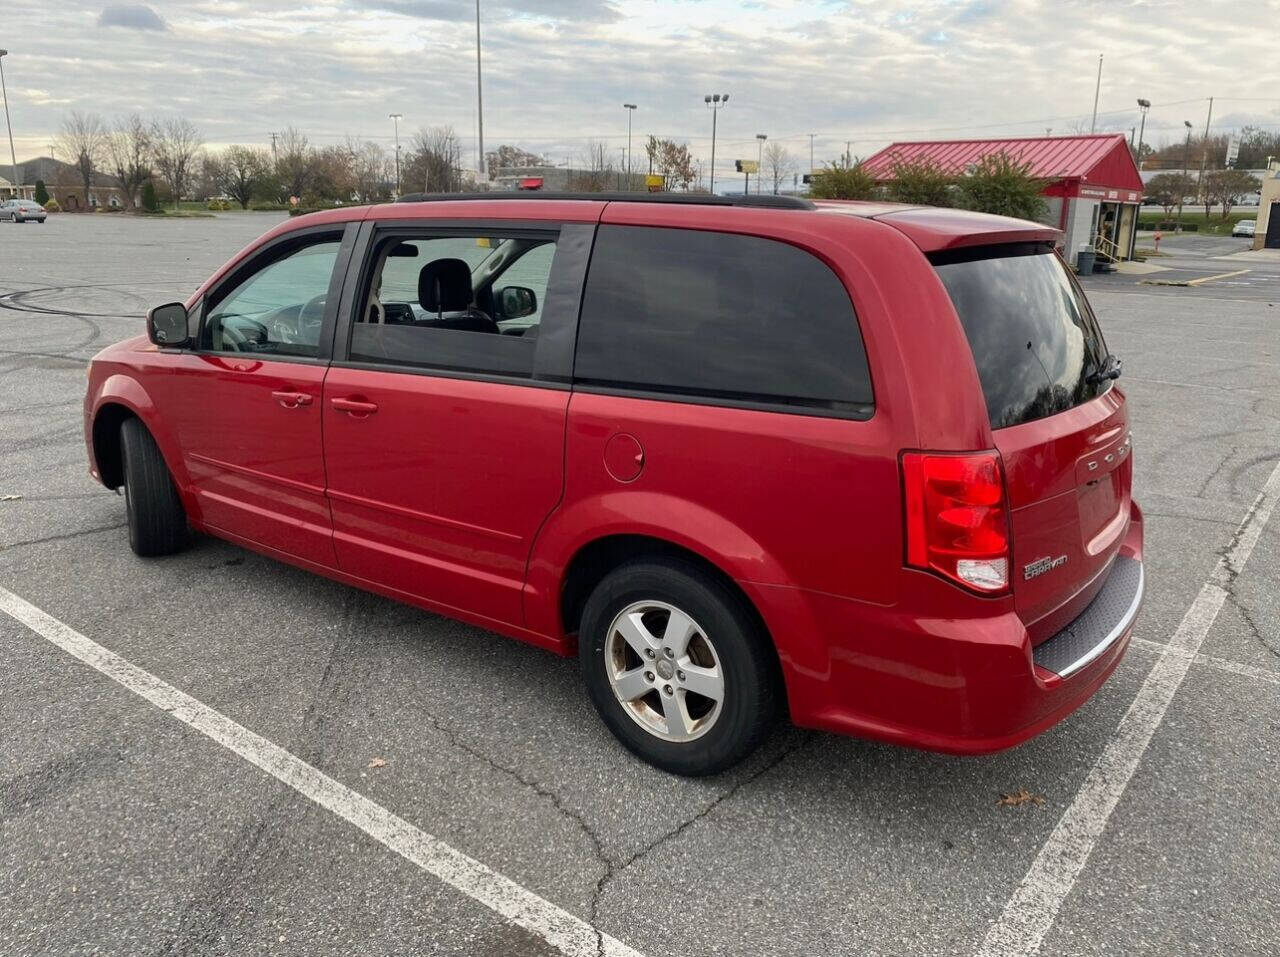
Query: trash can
point(1085, 260)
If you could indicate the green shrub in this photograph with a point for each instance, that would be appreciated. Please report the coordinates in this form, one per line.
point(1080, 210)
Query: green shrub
point(1000, 184)
point(51, 206)
point(42, 192)
point(843, 180)
point(149, 201)
point(218, 205)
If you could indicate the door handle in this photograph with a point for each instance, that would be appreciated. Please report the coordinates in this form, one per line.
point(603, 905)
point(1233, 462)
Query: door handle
point(291, 400)
point(354, 406)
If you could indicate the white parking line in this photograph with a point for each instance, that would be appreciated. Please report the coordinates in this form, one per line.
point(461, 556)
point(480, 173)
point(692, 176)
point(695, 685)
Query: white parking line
point(1034, 906)
point(557, 927)
point(1220, 664)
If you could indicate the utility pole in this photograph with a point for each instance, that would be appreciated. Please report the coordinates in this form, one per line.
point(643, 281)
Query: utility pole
point(1143, 105)
point(630, 108)
point(479, 104)
point(811, 136)
point(13, 157)
point(715, 102)
point(1204, 154)
point(1093, 126)
point(1186, 166)
point(760, 138)
point(275, 156)
point(848, 152)
point(395, 119)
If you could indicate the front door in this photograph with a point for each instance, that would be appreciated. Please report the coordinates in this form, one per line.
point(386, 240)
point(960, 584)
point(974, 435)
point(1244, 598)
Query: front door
point(247, 400)
point(444, 443)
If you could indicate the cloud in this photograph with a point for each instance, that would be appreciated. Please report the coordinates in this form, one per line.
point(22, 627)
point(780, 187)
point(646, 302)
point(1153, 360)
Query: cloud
point(132, 16)
point(464, 10)
point(556, 72)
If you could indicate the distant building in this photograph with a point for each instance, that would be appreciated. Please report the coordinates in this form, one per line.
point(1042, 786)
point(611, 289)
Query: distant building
point(1094, 189)
point(64, 183)
point(562, 179)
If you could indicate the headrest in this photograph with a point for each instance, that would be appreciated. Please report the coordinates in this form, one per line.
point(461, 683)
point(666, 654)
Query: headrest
point(444, 285)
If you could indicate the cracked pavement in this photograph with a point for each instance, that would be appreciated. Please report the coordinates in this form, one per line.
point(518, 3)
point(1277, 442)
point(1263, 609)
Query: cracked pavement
point(121, 831)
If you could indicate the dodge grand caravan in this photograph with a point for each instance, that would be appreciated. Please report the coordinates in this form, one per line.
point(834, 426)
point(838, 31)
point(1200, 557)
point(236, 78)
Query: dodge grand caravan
point(868, 464)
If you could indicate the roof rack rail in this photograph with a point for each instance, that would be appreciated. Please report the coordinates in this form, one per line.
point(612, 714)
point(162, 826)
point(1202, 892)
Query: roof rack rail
point(675, 199)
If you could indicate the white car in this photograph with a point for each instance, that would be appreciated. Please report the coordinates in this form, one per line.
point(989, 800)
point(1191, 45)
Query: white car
point(22, 211)
point(1245, 228)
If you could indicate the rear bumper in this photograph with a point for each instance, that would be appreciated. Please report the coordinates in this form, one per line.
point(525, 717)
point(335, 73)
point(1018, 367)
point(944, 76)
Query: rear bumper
point(961, 676)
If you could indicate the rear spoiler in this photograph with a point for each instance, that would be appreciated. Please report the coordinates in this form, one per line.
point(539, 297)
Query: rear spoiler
point(935, 229)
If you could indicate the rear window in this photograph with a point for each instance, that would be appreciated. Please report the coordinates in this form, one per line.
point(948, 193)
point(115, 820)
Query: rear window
point(730, 318)
point(1034, 338)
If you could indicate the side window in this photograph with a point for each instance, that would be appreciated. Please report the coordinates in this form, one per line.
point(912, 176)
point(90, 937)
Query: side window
point(464, 303)
point(279, 308)
point(719, 315)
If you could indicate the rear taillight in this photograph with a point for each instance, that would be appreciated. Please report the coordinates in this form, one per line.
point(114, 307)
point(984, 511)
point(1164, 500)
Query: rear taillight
point(957, 524)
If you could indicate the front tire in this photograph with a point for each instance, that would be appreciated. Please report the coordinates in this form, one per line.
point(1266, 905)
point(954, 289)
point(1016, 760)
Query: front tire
point(156, 519)
point(677, 666)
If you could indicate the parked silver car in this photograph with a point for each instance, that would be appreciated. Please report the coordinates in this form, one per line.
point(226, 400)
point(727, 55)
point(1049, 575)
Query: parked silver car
point(22, 211)
point(1245, 228)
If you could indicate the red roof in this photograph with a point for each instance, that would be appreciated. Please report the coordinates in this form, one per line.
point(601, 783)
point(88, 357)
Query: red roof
point(1099, 160)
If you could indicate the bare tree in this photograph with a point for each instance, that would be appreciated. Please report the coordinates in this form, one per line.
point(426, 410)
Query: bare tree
point(175, 143)
point(778, 165)
point(295, 163)
point(240, 172)
point(508, 157)
point(435, 160)
point(129, 154)
point(84, 139)
point(597, 173)
point(370, 170)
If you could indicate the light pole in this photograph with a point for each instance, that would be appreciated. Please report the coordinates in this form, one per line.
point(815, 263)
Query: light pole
point(479, 104)
point(811, 136)
point(1093, 126)
point(1204, 155)
point(715, 103)
point(13, 157)
point(760, 137)
point(1186, 165)
point(1143, 105)
point(630, 108)
point(395, 119)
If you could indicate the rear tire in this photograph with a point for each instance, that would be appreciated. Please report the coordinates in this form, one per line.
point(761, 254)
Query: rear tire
point(649, 698)
point(156, 519)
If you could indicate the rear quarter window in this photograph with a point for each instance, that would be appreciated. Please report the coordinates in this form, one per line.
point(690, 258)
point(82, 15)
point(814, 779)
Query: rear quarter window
point(1034, 338)
point(720, 316)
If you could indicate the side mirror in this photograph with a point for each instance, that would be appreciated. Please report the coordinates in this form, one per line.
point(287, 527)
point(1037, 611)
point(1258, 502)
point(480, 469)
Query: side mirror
point(167, 325)
point(517, 301)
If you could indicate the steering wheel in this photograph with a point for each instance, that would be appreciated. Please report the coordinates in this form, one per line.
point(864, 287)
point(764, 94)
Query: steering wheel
point(304, 325)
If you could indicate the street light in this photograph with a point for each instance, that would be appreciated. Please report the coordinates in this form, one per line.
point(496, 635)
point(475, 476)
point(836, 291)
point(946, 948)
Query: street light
point(759, 158)
point(1143, 105)
point(395, 119)
point(13, 157)
point(1186, 165)
point(630, 108)
point(715, 103)
point(479, 105)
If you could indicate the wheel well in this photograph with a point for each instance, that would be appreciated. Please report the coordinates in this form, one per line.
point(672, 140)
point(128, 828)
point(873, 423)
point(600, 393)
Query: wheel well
point(597, 559)
point(106, 442)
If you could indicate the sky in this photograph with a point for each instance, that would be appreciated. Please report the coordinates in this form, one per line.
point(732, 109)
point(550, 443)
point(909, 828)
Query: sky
point(556, 72)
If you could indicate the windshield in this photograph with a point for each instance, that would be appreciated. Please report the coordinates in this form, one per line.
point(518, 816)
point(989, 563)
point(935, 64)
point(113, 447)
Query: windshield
point(1034, 338)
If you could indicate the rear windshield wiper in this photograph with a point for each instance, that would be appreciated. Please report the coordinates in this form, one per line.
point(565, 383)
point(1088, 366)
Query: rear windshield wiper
point(1108, 368)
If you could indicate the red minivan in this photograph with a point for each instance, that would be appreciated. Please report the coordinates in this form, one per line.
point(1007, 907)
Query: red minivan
point(866, 463)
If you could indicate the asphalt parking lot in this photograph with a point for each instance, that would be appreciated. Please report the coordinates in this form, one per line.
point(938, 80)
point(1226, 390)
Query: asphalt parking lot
point(1151, 822)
